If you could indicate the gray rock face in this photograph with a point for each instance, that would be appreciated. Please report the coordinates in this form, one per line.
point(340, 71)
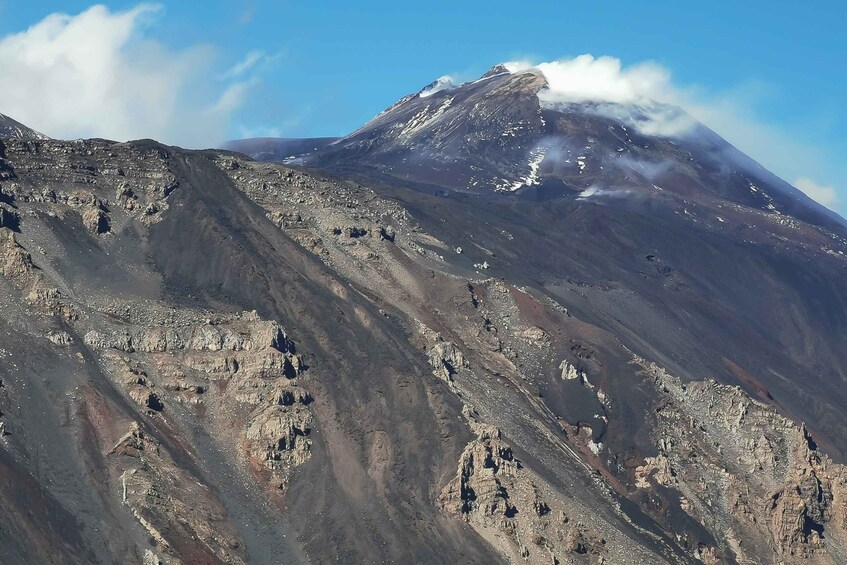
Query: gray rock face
point(206, 358)
point(743, 467)
point(510, 506)
point(8, 217)
point(96, 220)
point(245, 333)
point(446, 360)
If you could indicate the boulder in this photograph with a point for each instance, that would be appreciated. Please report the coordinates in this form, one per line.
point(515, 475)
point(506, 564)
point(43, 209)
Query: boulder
point(96, 221)
point(446, 359)
point(9, 218)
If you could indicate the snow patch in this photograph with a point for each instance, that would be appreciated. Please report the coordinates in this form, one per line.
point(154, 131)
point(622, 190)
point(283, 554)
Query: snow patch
point(589, 192)
point(595, 191)
point(533, 178)
point(424, 118)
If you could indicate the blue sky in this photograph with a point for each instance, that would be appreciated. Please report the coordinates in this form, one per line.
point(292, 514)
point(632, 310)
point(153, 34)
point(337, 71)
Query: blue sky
point(772, 73)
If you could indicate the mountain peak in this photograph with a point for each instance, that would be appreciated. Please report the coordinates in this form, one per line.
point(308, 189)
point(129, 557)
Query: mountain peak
point(514, 132)
point(498, 69)
point(441, 83)
point(15, 129)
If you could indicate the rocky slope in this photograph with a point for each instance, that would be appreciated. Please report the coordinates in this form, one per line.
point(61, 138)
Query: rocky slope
point(210, 359)
point(14, 129)
point(501, 134)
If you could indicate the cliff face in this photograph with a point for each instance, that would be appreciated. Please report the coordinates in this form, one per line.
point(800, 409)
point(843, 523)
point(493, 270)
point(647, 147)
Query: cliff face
point(204, 358)
point(743, 469)
point(155, 350)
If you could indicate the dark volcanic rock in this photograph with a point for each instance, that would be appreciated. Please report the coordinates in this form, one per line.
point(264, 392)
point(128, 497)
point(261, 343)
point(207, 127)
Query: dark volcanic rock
point(211, 359)
point(495, 135)
point(13, 129)
point(9, 218)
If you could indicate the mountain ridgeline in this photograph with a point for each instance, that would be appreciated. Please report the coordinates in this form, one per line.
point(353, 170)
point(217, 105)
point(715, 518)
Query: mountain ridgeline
point(482, 329)
point(10, 128)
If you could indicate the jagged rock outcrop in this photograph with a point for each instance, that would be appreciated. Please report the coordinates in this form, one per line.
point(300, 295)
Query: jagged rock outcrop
point(16, 261)
point(251, 335)
point(570, 372)
point(278, 434)
point(18, 267)
point(446, 359)
point(9, 217)
point(746, 471)
point(61, 338)
point(175, 510)
point(485, 464)
point(96, 220)
point(506, 504)
point(139, 179)
point(241, 358)
point(135, 442)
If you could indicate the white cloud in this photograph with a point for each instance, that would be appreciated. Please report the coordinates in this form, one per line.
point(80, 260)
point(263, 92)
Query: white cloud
point(825, 195)
point(586, 78)
point(250, 61)
point(646, 96)
point(517, 66)
point(99, 74)
point(642, 95)
point(231, 99)
point(445, 82)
